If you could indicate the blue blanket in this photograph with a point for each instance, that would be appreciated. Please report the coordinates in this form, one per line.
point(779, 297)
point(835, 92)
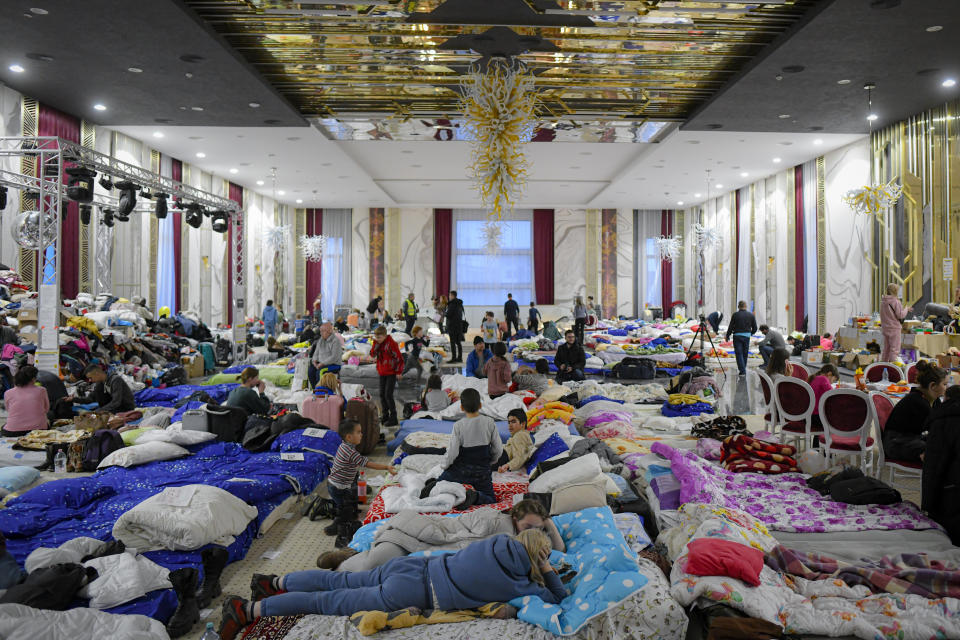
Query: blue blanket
point(170, 396)
point(61, 510)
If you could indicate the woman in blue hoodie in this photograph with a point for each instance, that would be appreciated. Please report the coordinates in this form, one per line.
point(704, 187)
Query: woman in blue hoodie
point(513, 566)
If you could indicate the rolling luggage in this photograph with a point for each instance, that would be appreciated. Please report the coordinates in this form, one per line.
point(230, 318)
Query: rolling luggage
point(227, 422)
point(194, 420)
point(323, 410)
point(367, 415)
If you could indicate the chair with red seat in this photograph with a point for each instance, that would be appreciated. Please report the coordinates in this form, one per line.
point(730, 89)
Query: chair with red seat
point(908, 469)
point(770, 407)
point(848, 416)
point(795, 402)
point(912, 373)
point(874, 372)
point(799, 371)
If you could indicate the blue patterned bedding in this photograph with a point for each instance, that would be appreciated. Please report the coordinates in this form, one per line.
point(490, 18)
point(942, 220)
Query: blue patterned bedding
point(61, 510)
point(170, 396)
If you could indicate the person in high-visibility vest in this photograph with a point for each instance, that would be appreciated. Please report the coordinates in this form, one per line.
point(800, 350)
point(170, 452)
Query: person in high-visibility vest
point(410, 311)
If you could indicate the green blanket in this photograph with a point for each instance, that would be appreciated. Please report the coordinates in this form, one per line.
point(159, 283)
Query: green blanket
point(275, 375)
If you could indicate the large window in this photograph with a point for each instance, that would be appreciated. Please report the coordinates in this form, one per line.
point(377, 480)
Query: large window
point(484, 278)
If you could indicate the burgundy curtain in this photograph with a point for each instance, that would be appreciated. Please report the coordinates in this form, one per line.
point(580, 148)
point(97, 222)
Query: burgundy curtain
point(236, 194)
point(543, 255)
point(52, 122)
point(314, 269)
point(736, 247)
point(176, 174)
point(442, 250)
point(666, 267)
point(799, 270)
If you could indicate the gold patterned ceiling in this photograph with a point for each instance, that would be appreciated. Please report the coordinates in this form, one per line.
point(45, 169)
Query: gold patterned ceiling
point(643, 59)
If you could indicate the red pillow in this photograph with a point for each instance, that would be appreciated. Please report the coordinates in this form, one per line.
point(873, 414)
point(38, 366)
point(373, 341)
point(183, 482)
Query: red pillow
point(715, 557)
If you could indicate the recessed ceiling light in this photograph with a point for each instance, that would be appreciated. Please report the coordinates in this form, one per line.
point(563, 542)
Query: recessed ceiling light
point(196, 108)
point(872, 117)
point(16, 68)
point(259, 183)
point(234, 170)
point(818, 142)
point(776, 160)
point(37, 11)
point(680, 202)
point(744, 174)
point(253, 105)
point(281, 193)
point(949, 82)
point(934, 28)
point(719, 186)
point(696, 195)
point(784, 116)
point(299, 201)
point(100, 107)
point(158, 134)
point(134, 69)
point(843, 82)
point(201, 154)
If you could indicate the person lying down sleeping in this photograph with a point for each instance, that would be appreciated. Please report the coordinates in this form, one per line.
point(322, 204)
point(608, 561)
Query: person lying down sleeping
point(514, 566)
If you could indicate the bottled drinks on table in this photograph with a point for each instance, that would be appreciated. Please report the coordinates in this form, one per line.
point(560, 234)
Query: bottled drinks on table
point(210, 633)
point(362, 489)
point(60, 462)
point(885, 378)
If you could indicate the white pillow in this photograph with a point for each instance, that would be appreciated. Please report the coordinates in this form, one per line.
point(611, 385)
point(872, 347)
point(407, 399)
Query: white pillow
point(121, 578)
point(176, 436)
point(583, 469)
point(143, 453)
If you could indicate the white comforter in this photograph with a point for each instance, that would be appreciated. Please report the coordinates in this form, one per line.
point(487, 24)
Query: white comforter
point(443, 497)
point(184, 518)
point(19, 622)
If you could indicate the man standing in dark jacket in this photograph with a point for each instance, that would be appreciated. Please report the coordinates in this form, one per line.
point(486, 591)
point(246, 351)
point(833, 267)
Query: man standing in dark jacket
point(455, 317)
point(570, 359)
point(742, 325)
point(111, 393)
point(511, 311)
point(941, 465)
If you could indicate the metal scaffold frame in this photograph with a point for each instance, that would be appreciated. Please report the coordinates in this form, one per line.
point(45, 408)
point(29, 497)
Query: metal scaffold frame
point(51, 156)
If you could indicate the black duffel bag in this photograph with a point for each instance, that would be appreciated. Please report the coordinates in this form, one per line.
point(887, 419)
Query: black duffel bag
point(635, 369)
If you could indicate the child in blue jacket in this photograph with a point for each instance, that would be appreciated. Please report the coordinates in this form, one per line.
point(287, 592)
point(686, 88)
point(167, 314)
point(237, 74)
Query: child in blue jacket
point(514, 566)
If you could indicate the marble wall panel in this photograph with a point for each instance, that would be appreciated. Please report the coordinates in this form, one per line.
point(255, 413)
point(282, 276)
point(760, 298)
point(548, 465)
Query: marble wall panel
point(569, 237)
point(848, 276)
point(409, 239)
point(11, 104)
point(361, 258)
point(626, 295)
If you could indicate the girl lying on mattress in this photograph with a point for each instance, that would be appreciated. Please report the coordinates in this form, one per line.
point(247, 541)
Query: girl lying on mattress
point(515, 566)
point(409, 532)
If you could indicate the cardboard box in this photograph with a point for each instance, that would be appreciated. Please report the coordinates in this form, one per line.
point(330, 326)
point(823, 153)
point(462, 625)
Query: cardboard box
point(833, 357)
point(945, 360)
point(28, 316)
point(812, 357)
point(854, 361)
point(848, 343)
point(193, 365)
point(30, 337)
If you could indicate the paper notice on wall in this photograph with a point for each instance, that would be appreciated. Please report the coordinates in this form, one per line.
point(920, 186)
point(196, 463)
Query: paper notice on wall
point(47, 360)
point(948, 269)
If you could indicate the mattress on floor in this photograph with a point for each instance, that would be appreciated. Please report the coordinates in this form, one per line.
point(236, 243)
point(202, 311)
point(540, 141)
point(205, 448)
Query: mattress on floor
point(874, 544)
point(10, 457)
point(434, 426)
point(63, 509)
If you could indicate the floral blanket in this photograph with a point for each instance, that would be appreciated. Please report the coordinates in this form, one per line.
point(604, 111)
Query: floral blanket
point(782, 502)
point(503, 492)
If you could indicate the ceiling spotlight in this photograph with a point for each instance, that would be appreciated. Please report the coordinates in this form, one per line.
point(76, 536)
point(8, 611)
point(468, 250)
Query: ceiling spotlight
point(80, 184)
point(196, 108)
point(234, 170)
point(219, 222)
point(719, 186)
point(106, 217)
point(744, 174)
point(783, 116)
point(776, 160)
point(949, 82)
point(16, 68)
point(134, 69)
point(259, 183)
point(696, 195)
point(872, 117)
point(100, 107)
point(201, 154)
point(194, 216)
point(843, 82)
point(818, 142)
point(128, 199)
point(158, 134)
point(146, 195)
point(106, 182)
point(37, 11)
point(86, 211)
point(160, 210)
point(299, 201)
point(934, 28)
point(254, 105)
point(281, 193)
point(680, 202)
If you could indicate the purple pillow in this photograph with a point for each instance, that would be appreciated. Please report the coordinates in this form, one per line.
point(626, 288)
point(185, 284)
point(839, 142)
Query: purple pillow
point(607, 416)
point(667, 490)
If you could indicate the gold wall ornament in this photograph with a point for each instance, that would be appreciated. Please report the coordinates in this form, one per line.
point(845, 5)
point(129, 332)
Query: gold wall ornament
point(499, 106)
point(871, 200)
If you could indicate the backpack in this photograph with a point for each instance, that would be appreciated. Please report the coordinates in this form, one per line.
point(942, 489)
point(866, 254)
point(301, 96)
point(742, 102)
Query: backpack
point(98, 446)
point(635, 369)
point(174, 376)
point(864, 490)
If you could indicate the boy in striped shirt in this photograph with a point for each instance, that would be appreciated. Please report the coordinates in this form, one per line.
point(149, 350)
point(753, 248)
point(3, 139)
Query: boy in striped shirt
point(342, 482)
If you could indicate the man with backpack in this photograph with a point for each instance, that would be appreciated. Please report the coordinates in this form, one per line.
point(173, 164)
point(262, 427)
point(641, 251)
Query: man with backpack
point(410, 311)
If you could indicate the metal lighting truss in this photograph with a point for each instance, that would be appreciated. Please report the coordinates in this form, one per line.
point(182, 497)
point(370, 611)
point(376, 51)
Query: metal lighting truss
point(40, 156)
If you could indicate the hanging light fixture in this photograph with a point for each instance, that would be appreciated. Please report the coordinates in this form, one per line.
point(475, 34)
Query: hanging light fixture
point(160, 209)
point(86, 211)
point(219, 222)
point(106, 182)
point(128, 199)
point(106, 217)
point(80, 184)
point(871, 116)
point(194, 216)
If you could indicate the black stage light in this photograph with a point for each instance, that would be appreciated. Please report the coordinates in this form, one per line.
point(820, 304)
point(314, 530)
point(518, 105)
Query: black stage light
point(219, 222)
point(106, 182)
point(106, 217)
point(194, 215)
point(146, 194)
point(3, 198)
point(128, 199)
point(80, 184)
point(85, 212)
point(161, 208)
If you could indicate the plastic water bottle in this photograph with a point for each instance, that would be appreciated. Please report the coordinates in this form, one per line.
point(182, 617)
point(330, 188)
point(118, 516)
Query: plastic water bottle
point(362, 489)
point(60, 462)
point(885, 378)
point(210, 634)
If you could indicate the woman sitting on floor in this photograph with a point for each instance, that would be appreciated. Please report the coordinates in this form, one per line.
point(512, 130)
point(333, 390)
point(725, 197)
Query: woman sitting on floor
point(408, 532)
point(26, 403)
point(903, 434)
point(497, 569)
point(779, 364)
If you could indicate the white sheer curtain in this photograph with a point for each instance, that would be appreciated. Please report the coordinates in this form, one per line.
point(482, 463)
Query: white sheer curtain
point(647, 263)
point(166, 264)
point(484, 277)
point(336, 282)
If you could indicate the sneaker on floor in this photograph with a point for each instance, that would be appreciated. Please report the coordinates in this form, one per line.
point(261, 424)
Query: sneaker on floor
point(233, 618)
point(261, 586)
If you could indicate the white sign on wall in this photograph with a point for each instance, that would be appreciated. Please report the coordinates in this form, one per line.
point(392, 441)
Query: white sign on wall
point(948, 269)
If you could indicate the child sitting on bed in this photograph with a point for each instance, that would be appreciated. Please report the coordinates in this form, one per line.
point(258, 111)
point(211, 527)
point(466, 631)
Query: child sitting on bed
point(435, 398)
point(519, 447)
point(342, 482)
point(474, 446)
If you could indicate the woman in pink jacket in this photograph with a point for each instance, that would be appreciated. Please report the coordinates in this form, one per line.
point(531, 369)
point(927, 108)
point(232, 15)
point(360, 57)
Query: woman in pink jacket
point(892, 314)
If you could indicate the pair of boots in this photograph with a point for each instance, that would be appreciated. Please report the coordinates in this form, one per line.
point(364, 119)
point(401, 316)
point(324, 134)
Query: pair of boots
point(344, 531)
point(190, 598)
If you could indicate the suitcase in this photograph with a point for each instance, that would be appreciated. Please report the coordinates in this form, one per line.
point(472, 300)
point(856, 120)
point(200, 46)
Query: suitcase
point(369, 418)
point(323, 410)
point(195, 420)
point(227, 422)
